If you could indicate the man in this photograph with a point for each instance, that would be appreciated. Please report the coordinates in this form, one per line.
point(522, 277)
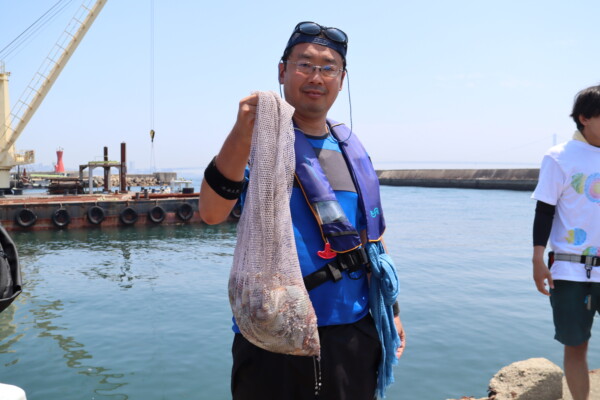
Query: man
point(568, 212)
point(312, 71)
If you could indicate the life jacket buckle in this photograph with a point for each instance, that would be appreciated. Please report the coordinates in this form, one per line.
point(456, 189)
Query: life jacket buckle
point(334, 272)
point(354, 260)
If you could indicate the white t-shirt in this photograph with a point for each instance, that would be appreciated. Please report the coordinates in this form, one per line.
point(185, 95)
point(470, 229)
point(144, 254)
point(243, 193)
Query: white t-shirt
point(570, 180)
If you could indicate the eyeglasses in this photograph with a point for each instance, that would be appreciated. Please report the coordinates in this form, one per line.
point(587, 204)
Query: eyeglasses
point(314, 29)
point(307, 68)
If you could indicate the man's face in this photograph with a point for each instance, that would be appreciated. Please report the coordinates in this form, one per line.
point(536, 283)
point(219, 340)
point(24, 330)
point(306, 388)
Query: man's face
point(591, 129)
point(313, 94)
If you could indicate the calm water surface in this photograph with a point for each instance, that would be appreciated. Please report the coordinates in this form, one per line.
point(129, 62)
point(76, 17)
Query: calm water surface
point(143, 313)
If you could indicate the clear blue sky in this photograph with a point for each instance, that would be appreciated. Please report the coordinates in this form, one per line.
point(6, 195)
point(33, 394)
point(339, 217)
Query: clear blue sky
point(450, 82)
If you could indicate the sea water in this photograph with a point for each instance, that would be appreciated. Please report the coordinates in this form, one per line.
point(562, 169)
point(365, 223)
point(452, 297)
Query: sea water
point(143, 313)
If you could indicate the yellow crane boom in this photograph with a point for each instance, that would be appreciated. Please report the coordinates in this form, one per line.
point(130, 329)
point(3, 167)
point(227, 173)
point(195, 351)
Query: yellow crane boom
point(40, 85)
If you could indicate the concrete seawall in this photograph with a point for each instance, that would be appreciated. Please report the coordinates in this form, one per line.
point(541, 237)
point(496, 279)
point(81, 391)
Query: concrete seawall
point(506, 179)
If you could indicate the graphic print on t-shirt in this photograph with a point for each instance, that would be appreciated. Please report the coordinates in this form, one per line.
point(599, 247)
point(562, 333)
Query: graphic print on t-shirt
point(576, 236)
point(590, 186)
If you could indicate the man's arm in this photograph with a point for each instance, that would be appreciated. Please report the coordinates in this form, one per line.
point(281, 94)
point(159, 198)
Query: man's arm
point(395, 308)
point(401, 334)
point(542, 226)
point(230, 163)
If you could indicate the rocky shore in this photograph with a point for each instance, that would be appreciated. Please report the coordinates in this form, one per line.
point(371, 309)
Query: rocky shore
point(131, 181)
point(533, 379)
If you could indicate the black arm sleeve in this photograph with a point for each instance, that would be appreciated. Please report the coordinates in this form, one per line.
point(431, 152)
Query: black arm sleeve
point(396, 308)
point(542, 223)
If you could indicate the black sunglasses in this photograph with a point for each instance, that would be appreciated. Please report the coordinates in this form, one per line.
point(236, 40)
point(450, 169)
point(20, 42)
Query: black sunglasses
point(314, 29)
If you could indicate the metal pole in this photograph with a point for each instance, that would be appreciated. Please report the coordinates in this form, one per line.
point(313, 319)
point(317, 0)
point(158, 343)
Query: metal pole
point(106, 172)
point(90, 179)
point(123, 178)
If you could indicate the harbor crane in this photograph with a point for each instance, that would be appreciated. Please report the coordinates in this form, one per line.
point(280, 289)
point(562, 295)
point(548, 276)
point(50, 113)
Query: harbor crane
point(37, 90)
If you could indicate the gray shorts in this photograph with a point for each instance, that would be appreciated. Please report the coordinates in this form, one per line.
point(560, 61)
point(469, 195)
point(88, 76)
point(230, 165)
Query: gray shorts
point(574, 305)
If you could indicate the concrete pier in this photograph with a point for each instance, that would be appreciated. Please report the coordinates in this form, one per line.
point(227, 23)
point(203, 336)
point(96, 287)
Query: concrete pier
point(507, 179)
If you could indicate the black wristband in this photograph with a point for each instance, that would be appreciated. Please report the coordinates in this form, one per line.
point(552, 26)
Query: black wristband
point(396, 309)
point(224, 187)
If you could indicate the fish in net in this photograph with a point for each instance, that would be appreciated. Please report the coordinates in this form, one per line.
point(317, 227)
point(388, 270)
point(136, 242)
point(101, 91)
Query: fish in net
point(270, 303)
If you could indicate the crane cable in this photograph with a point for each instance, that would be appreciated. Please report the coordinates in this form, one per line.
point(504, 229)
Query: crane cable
point(152, 132)
point(18, 43)
point(32, 29)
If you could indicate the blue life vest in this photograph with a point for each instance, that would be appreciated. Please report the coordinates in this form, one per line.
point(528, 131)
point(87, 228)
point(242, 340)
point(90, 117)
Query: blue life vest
point(339, 235)
point(346, 301)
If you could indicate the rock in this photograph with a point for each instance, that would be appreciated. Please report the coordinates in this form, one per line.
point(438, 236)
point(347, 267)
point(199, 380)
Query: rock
point(594, 386)
point(533, 379)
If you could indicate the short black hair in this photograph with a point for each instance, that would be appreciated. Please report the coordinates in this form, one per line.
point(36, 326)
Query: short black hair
point(587, 103)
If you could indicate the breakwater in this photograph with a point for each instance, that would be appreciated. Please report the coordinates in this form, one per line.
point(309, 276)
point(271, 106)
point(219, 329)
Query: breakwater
point(506, 179)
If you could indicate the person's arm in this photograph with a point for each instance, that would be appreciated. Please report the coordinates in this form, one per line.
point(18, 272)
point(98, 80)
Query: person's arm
point(542, 226)
point(230, 163)
point(396, 310)
point(400, 329)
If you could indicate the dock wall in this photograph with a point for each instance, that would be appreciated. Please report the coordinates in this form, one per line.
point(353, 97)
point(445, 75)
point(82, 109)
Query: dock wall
point(507, 179)
point(77, 208)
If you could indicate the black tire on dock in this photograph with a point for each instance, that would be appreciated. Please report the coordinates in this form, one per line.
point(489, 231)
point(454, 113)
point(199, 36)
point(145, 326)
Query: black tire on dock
point(128, 216)
point(157, 214)
point(95, 215)
point(185, 212)
point(25, 218)
point(61, 218)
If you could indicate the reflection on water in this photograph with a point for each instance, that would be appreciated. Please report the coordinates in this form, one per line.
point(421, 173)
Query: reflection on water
point(43, 316)
point(98, 238)
point(96, 318)
point(74, 351)
point(111, 249)
point(8, 330)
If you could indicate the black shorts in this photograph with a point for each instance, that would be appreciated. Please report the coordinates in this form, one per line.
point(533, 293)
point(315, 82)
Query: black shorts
point(350, 356)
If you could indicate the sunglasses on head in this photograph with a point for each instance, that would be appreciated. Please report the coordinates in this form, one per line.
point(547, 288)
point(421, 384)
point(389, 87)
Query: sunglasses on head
point(314, 29)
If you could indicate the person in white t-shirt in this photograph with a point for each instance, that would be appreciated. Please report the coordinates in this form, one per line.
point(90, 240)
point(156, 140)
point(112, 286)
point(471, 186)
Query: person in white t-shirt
point(568, 213)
